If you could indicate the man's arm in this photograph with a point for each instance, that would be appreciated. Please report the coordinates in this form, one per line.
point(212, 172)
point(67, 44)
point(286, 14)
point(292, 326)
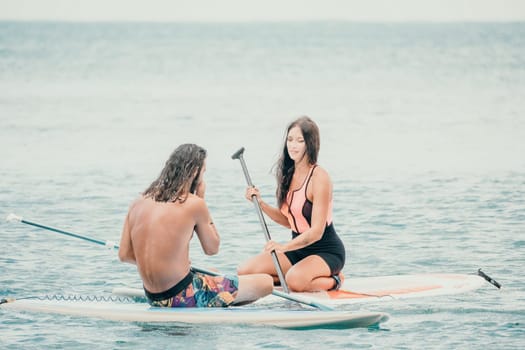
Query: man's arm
point(204, 227)
point(125, 252)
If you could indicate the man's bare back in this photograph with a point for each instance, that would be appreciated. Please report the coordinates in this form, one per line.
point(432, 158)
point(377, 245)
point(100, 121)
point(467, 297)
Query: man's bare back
point(159, 235)
point(157, 232)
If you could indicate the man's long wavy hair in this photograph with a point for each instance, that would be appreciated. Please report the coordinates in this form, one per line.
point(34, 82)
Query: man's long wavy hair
point(285, 167)
point(179, 176)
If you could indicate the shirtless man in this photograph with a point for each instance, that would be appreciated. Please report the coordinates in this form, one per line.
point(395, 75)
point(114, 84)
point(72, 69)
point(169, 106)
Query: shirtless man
point(157, 233)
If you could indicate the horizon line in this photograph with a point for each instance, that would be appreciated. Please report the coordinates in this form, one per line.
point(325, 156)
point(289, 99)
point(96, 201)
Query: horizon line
point(232, 21)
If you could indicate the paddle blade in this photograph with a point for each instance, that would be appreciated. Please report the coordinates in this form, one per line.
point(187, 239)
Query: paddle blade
point(12, 217)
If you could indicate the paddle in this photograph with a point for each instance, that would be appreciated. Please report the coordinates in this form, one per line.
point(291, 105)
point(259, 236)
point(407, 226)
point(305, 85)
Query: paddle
point(113, 245)
point(239, 155)
point(108, 244)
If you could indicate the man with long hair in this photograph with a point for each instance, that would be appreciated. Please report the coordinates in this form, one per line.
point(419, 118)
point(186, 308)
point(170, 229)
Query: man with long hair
point(157, 233)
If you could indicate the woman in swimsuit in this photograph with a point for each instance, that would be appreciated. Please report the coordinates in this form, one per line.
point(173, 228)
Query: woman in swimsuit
point(313, 259)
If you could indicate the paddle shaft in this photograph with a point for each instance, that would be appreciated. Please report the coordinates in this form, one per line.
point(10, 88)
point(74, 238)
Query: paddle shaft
point(280, 274)
point(110, 245)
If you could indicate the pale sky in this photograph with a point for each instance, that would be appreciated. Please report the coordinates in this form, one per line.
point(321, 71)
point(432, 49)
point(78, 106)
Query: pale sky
point(250, 10)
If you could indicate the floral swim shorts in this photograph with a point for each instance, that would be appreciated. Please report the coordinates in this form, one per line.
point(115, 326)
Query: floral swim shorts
point(198, 290)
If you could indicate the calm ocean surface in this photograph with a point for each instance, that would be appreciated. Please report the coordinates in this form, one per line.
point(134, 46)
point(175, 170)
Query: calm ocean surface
point(423, 133)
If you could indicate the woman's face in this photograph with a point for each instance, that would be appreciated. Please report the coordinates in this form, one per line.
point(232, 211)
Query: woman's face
point(295, 144)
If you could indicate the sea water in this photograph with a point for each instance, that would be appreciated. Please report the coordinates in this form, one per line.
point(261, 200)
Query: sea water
point(422, 132)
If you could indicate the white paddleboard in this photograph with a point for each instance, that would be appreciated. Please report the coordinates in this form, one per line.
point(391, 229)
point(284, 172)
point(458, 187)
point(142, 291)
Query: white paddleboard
point(143, 312)
point(371, 289)
point(384, 288)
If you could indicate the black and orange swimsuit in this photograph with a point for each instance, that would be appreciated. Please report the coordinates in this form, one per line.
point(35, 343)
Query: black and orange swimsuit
point(298, 209)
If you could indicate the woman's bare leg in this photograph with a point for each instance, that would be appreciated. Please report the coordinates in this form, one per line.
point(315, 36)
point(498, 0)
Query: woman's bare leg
point(310, 275)
point(263, 263)
point(253, 287)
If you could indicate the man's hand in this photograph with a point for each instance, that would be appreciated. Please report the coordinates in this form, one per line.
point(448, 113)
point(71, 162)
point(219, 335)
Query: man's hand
point(201, 189)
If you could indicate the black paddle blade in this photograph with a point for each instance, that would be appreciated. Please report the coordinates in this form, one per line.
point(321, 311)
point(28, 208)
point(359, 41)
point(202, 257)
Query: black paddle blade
point(489, 279)
point(238, 154)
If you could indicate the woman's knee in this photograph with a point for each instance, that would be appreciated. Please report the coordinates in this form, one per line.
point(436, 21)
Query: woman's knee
point(242, 270)
point(265, 283)
point(296, 282)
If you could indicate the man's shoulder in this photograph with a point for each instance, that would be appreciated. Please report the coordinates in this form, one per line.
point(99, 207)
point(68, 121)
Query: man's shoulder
point(191, 200)
point(195, 200)
point(137, 202)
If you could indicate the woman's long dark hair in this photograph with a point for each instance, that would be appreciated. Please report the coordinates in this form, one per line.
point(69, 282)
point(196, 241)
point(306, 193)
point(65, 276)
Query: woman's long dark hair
point(285, 167)
point(179, 176)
